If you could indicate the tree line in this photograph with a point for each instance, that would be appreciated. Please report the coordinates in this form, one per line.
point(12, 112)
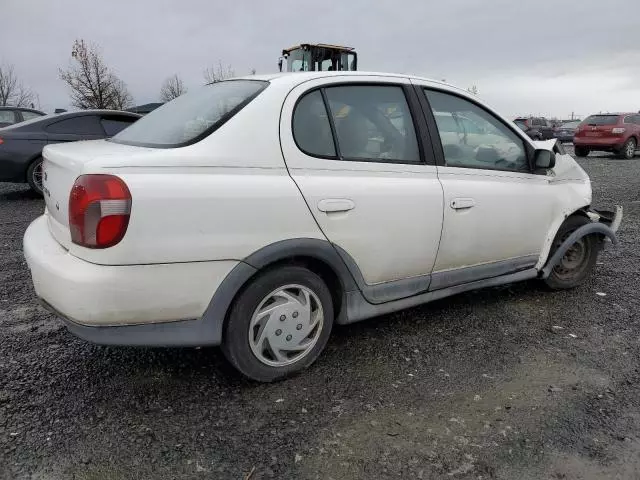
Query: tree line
point(93, 84)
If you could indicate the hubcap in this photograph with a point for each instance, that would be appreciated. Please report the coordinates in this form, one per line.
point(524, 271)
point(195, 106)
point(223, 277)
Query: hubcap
point(37, 175)
point(286, 325)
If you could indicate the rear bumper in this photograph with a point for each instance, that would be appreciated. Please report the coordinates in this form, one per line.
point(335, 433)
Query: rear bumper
point(129, 305)
point(603, 143)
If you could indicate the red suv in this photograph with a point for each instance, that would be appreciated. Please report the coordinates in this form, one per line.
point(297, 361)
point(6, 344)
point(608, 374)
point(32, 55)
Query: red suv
point(609, 132)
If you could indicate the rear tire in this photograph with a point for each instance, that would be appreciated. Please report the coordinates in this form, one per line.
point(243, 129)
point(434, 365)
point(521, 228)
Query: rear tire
point(279, 324)
point(581, 151)
point(578, 262)
point(34, 176)
point(629, 149)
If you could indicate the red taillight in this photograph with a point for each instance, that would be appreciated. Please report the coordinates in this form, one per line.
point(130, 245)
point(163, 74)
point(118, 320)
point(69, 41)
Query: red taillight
point(1, 141)
point(99, 208)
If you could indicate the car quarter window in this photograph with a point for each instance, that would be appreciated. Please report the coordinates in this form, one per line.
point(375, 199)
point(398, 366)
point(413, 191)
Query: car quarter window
point(490, 144)
point(27, 115)
point(370, 123)
point(82, 125)
point(629, 119)
point(113, 125)
point(311, 127)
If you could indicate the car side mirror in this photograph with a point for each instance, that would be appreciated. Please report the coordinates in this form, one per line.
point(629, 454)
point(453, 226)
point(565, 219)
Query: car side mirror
point(544, 159)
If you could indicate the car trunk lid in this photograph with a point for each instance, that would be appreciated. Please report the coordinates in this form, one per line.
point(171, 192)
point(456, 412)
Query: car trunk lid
point(63, 164)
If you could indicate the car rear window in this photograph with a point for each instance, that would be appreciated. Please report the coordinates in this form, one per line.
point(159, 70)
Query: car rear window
point(192, 116)
point(602, 120)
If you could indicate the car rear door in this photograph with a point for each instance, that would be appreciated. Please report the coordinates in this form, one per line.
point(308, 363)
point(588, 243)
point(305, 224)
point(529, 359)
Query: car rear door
point(353, 147)
point(496, 211)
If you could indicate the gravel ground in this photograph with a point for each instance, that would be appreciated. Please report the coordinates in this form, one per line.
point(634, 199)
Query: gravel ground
point(476, 386)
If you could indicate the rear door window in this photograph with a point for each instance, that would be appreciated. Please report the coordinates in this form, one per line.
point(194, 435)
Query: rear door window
point(81, 125)
point(373, 123)
point(367, 123)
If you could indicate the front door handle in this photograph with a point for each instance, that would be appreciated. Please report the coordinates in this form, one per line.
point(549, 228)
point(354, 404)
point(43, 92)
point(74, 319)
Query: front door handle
point(462, 203)
point(329, 205)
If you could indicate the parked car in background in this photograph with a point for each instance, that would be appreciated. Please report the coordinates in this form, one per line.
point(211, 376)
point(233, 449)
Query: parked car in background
point(12, 115)
point(538, 128)
point(566, 131)
point(21, 144)
point(610, 132)
point(248, 214)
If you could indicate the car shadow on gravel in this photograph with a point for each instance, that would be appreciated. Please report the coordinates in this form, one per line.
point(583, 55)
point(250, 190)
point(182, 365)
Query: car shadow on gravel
point(210, 361)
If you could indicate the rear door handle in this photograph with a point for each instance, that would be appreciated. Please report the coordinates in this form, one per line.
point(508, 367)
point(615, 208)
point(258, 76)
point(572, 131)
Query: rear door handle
point(462, 203)
point(329, 205)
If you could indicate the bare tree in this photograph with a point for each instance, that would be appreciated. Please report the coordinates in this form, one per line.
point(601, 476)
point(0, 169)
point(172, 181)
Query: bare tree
point(12, 90)
point(122, 99)
point(218, 73)
point(91, 83)
point(473, 90)
point(172, 88)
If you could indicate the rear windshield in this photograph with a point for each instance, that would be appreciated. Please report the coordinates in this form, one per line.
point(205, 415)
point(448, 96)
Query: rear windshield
point(602, 120)
point(192, 116)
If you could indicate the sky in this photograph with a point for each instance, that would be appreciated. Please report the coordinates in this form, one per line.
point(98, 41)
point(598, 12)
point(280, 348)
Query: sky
point(535, 57)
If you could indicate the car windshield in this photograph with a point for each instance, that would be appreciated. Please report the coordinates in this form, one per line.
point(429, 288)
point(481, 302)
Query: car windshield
point(602, 120)
point(191, 116)
point(570, 125)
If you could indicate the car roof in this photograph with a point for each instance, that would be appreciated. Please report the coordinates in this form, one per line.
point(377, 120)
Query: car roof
point(297, 78)
point(612, 114)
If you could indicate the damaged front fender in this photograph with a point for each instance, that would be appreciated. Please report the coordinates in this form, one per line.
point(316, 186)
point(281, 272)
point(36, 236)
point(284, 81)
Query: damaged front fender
point(606, 224)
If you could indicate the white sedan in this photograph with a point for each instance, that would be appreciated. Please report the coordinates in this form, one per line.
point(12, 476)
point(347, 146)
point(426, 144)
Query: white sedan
point(257, 212)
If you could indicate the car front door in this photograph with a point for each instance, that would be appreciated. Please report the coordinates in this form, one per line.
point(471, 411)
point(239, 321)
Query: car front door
point(353, 148)
point(496, 211)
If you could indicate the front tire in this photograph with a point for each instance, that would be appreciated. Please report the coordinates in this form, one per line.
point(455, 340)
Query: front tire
point(34, 176)
point(581, 151)
point(279, 324)
point(578, 262)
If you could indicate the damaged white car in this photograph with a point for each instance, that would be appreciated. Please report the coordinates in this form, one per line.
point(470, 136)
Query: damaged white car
point(256, 213)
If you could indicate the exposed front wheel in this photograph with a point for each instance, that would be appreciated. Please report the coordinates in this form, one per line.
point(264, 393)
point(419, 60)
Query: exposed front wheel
point(578, 262)
point(34, 175)
point(279, 324)
point(581, 151)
